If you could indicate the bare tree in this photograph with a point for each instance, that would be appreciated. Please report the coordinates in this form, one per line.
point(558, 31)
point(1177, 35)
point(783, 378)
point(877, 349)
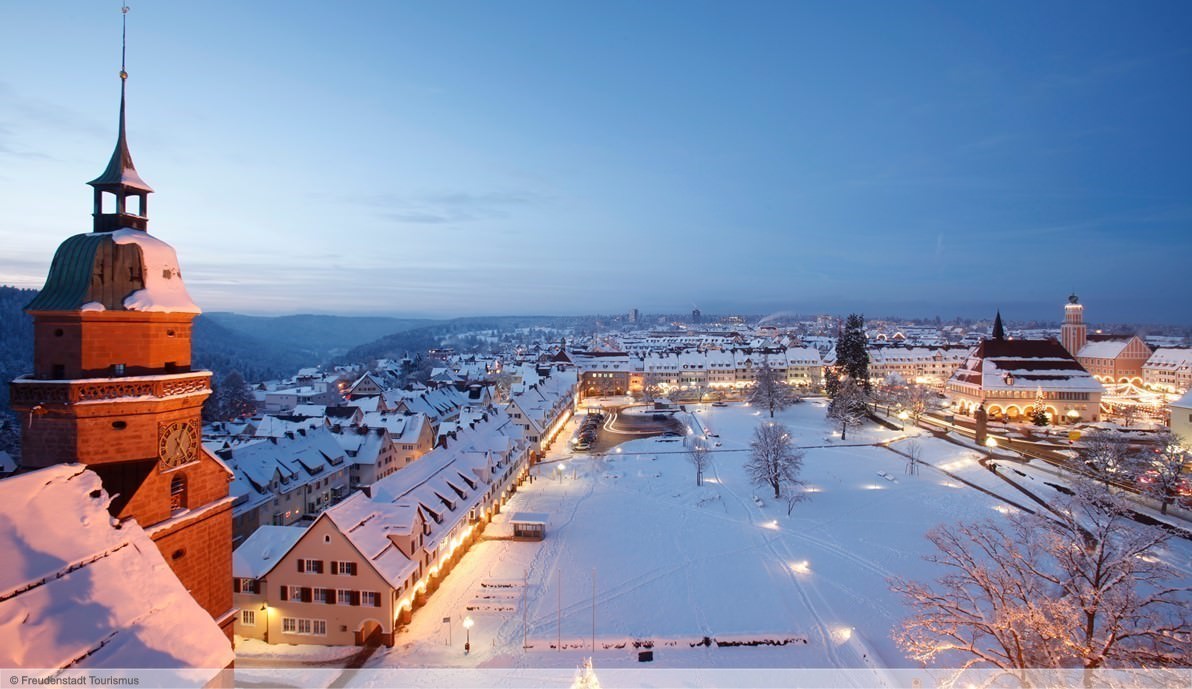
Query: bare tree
point(1128, 413)
point(915, 400)
point(699, 455)
point(913, 452)
point(1105, 452)
point(775, 462)
point(770, 391)
point(1164, 471)
point(1082, 589)
point(848, 406)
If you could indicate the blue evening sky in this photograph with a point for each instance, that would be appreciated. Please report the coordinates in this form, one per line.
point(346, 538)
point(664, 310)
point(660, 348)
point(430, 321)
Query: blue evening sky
point(457, 158)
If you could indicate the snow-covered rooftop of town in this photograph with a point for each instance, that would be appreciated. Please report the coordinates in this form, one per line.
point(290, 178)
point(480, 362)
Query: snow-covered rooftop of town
point(78, 589)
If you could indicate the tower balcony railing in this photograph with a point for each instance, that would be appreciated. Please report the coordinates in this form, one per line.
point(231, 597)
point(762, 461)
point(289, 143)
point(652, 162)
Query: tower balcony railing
point(28, 391)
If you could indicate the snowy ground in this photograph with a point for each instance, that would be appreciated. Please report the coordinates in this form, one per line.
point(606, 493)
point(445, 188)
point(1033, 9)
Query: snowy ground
point(666, 563)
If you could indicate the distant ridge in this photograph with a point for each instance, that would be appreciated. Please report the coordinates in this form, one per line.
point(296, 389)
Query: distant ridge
point(321, 336)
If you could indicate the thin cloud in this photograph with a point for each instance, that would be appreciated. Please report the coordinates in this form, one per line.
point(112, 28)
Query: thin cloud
point(450, 207)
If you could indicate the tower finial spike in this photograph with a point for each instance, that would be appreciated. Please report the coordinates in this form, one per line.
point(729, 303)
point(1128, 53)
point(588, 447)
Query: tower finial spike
point(120, 178)
point(124, 38)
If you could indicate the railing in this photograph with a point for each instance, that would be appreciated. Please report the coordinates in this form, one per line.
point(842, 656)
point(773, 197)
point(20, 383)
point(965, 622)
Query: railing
point(33, 392)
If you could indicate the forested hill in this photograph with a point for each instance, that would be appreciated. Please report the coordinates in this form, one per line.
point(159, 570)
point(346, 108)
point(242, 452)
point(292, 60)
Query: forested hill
point(16, 337)
point(320, 336)
point(460, 332)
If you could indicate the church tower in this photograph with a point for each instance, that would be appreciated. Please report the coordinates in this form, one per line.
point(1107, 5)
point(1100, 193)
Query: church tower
point(112, 385)
point(1074, 333)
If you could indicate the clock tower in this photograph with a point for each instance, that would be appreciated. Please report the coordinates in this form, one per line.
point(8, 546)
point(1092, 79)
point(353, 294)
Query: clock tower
point(113, 388)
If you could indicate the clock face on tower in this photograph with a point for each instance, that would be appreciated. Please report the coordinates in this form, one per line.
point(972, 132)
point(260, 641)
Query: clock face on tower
point(177, 443)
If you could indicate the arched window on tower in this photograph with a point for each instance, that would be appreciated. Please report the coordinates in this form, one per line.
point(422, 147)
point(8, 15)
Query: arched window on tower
point(178, 493)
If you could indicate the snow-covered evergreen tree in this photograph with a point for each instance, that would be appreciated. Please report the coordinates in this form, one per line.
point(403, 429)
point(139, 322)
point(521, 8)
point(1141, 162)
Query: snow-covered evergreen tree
point(852, 355)
point(1039, 410)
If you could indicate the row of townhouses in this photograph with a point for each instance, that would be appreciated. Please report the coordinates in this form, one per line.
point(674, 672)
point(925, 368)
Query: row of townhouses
point(365, 564)
point(321, 562)
point(621, 373)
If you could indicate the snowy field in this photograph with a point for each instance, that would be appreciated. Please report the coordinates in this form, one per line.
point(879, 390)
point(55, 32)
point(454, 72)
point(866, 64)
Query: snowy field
point(665, 564)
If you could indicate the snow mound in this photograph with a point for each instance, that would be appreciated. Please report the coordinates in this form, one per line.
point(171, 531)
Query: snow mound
point(164, 290)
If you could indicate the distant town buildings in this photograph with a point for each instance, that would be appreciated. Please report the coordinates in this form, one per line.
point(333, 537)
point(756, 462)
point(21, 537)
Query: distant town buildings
point(1169, 370)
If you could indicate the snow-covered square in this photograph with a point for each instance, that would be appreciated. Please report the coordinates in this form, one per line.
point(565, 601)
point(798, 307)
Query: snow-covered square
point(637, 557)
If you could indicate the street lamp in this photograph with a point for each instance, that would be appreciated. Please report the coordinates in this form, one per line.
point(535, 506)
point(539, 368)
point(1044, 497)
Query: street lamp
point(559, 468)
point(468, 630)
point(903, 416)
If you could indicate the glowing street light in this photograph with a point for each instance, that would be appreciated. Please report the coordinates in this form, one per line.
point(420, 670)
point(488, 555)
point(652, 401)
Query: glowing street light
point(903, 416)
point(468, 630)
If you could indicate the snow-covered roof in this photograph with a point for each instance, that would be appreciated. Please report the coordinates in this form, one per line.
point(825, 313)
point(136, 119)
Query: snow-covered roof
point(271, 426)
point(529, 518)
point(78, 589)
point(294, 461)
point(264, 549)
point(362, 444)
point(917, 355)
point(368, 525)
point(1103, 349)
point(1025, 364)
point(1184, 402)
point(309, 410)
point(1170, 358)
point(164, 290)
